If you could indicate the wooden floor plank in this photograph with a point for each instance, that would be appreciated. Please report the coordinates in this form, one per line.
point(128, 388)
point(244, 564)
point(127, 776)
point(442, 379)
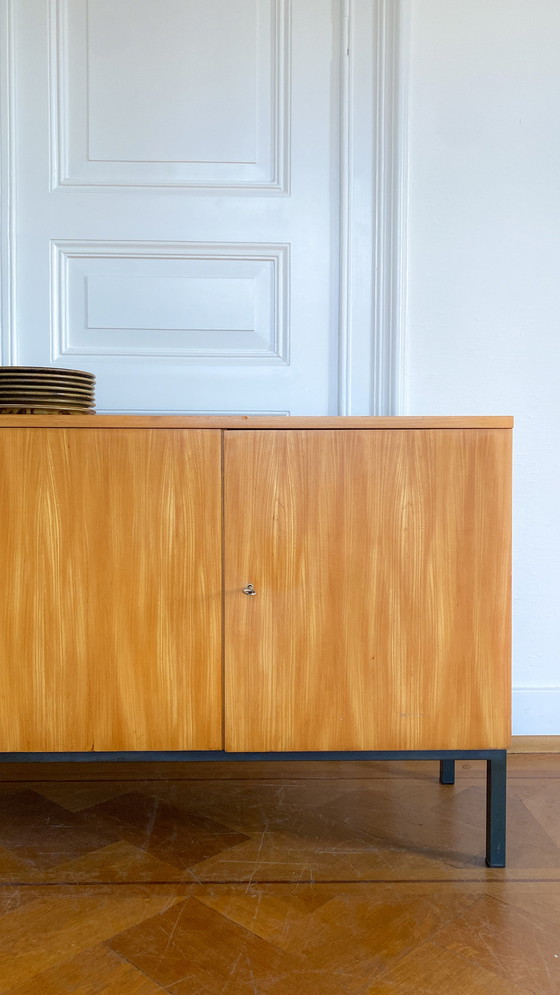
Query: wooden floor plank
point(522, 949)
point(49, 930)
point(192, 946)
point(541, 898)
point(91, 972)
point(429, 970)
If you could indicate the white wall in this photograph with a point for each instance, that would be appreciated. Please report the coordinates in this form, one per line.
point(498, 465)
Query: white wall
point(483, 310)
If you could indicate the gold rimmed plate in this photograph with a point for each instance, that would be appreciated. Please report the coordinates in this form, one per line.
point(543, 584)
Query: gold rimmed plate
point(26, 378)
point(41, 384)
point(40, 391)
point(46, 385)
point(38, 409)
point(46, 389)
point(42, 371)
point(79, 402)
point(29, 399)
point(55, 371)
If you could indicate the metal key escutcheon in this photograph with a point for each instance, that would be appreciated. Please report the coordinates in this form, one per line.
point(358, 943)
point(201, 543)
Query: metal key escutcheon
point(249, 590)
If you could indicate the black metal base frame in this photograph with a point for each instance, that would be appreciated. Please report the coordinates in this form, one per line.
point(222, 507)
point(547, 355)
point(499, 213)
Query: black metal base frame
point(496, 767)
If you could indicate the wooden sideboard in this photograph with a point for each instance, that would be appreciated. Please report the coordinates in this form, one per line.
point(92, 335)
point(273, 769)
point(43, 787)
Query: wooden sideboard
point(218, 587)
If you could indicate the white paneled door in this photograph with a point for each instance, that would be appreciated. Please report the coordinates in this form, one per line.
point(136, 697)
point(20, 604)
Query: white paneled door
point(176, 225)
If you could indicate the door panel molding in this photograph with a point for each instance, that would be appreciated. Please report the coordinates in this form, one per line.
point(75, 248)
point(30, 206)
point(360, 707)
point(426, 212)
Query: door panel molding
point(76, 163)
point(248, 280)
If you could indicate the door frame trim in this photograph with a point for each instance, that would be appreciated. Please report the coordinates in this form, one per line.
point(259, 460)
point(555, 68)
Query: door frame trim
point(7, 183)
point(373, 169)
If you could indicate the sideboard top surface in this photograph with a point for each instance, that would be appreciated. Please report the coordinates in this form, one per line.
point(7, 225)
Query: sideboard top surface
point(279, 422)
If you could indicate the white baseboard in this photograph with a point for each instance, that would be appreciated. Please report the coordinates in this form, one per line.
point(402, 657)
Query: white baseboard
point(536, 711)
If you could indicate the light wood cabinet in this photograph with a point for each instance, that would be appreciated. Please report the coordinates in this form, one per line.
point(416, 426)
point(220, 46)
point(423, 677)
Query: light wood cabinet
point(380, 557)
point(379, 619)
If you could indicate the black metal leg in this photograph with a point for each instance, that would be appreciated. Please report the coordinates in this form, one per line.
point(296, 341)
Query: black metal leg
point(496, 769)
point(447, 772)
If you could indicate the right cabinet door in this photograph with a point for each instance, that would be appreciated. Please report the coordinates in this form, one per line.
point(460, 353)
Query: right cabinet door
point(381, 565)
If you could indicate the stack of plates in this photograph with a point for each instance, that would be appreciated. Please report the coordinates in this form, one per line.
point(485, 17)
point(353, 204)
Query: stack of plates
point(29, 390)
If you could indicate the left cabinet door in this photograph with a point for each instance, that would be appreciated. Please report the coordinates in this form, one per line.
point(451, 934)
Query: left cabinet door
point(110, 589)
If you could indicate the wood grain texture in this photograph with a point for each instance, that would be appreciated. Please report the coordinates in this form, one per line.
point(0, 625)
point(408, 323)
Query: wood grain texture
point(429, 970)
point(382, 567)
point(338, 422)
point(110, 590)
point(91, 972)
point(65, 926)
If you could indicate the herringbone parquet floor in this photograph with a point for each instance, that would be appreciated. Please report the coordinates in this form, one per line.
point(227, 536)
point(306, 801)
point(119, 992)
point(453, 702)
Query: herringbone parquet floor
point(289, 879)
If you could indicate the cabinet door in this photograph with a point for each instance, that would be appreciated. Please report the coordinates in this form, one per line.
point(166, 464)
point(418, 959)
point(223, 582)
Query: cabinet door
point(381, 565)
point(110, 610)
